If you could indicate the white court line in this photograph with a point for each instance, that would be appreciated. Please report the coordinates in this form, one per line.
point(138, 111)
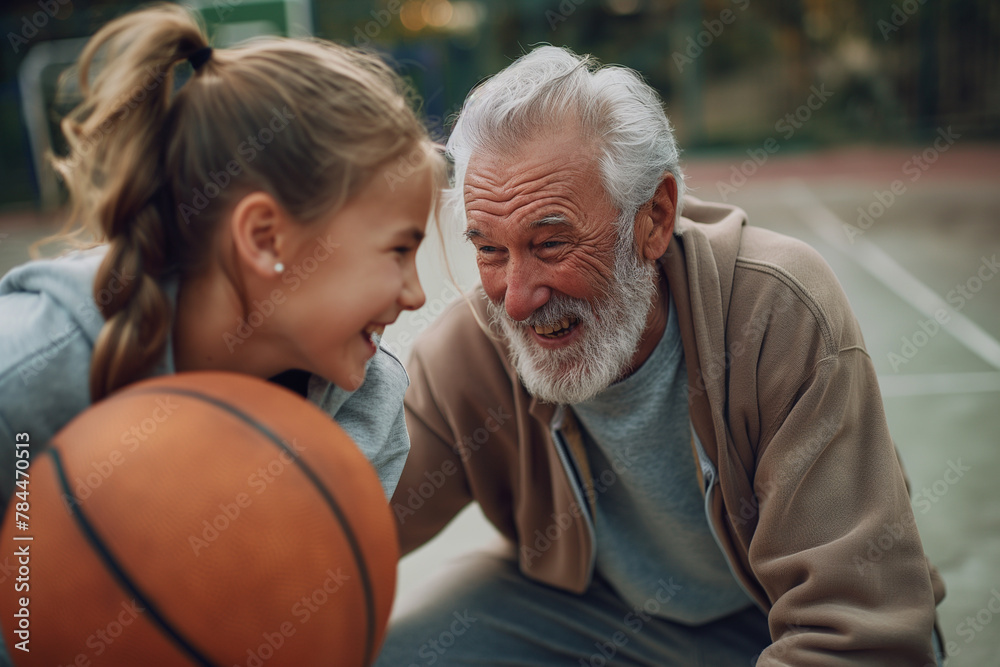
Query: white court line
point(888, 271)
point(896, 386)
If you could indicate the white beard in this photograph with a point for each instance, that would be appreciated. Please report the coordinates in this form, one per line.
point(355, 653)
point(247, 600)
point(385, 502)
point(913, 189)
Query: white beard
point(611, 329)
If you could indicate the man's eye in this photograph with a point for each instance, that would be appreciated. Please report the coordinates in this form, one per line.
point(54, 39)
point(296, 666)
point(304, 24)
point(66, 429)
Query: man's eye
point(552, 244)
point(487, 249)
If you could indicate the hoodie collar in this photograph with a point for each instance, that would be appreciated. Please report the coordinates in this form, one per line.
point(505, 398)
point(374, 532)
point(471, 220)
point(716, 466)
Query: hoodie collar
point(68, 281)
point(699, 268)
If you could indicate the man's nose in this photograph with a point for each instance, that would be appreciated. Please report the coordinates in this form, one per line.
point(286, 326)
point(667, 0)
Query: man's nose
point(525, 292)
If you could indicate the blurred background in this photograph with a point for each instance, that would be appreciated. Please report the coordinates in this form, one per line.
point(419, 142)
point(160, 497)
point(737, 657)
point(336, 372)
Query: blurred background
point(727, 69)
point(868, 129)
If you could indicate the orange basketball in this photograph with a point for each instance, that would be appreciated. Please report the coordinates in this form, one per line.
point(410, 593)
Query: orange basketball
point(198, 519)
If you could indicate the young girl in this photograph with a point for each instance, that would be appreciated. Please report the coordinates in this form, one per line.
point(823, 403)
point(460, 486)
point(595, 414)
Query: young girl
point(263, 218)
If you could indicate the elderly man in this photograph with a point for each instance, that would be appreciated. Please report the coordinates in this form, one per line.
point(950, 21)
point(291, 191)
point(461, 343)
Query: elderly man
point(672, 419)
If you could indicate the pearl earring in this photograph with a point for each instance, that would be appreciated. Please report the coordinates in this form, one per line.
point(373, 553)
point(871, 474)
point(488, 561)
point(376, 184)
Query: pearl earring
point(279, 267)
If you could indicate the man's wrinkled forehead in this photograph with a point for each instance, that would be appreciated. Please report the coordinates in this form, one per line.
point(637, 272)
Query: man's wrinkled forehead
point(549, 170)
point(473, 232)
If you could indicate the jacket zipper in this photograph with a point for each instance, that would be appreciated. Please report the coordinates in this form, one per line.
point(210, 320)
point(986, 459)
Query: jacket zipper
point(708, 472)
point(573, 475)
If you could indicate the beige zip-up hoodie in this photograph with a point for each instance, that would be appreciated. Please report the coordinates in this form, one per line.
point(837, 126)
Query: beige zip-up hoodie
point(806, 494)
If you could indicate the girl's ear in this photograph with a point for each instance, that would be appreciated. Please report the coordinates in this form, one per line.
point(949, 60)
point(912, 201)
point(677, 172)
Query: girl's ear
point(261, 233)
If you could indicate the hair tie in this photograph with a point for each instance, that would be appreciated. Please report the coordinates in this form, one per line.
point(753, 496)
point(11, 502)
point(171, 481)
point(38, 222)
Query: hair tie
point(200, 57)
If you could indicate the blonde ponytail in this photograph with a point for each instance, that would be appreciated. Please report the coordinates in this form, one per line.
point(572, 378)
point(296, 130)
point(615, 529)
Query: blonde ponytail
point(114, 176)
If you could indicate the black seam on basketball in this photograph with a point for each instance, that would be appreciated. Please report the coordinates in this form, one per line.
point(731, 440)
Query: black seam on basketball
point(117, 571)
point(320, 487)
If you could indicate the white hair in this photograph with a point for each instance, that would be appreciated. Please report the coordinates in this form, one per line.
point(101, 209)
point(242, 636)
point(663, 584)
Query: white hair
point(616, 109)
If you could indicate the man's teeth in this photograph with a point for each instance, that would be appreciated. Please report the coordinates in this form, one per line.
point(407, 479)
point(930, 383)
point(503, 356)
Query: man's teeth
point(564, 323)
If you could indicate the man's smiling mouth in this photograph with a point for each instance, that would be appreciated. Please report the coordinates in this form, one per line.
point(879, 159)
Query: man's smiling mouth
point(557, 329)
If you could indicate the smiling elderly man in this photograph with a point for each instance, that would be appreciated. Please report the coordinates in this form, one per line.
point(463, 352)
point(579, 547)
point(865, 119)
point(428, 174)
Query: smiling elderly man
point(671, 418)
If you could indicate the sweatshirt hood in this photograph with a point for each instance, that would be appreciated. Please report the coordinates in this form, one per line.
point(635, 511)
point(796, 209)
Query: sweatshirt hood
point(66, 284)
point(699, 266)
point(711, 234)
point(67, 281)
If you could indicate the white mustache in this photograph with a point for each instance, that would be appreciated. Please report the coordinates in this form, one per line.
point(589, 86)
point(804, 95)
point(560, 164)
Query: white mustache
point(556, 308)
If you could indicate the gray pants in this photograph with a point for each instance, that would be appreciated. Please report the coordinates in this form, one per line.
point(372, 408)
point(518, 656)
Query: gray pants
point(482, 611)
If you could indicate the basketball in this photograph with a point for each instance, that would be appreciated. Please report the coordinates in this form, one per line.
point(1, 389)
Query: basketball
point(199, 519)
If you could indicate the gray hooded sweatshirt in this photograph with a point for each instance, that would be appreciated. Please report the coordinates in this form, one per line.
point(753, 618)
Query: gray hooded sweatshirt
point(49, 323)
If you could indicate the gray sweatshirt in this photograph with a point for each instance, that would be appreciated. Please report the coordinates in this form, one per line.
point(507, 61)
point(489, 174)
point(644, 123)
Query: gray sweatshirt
point(49, 323)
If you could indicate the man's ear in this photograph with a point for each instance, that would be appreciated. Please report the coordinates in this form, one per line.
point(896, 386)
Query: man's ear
point(655, 221)
point(260, 230)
